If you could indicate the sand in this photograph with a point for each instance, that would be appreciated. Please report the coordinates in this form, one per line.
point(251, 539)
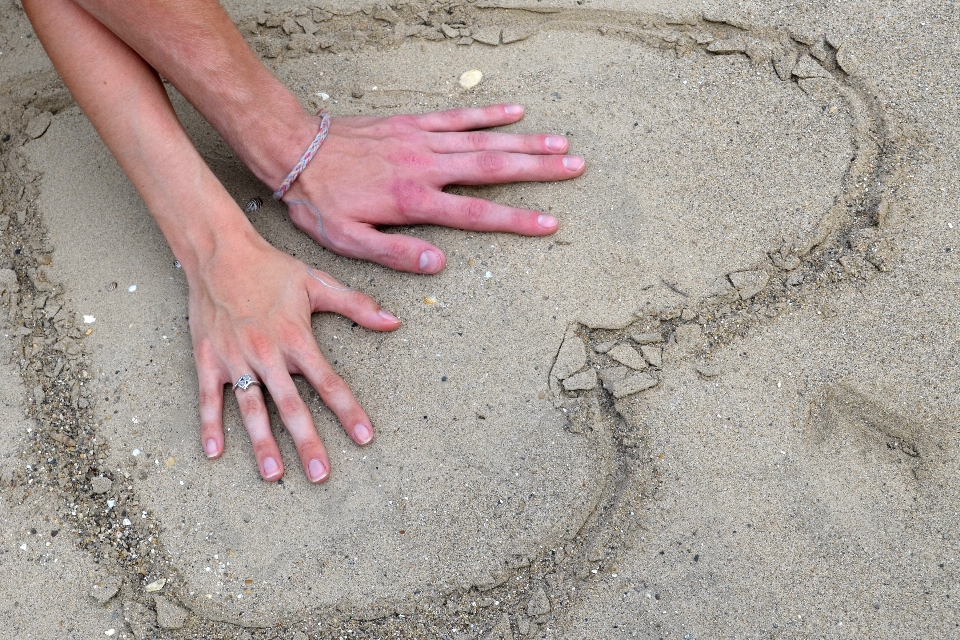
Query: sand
point(719, 402)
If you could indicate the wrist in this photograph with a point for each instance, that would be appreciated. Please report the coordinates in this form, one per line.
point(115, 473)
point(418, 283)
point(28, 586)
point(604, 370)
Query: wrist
point(279, 145)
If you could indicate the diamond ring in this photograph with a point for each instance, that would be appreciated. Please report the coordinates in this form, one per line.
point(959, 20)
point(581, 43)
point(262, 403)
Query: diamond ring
point(245, 382)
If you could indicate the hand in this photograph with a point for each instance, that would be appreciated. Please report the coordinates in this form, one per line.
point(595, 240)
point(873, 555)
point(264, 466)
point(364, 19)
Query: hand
point(250, 308)
point(373, 172)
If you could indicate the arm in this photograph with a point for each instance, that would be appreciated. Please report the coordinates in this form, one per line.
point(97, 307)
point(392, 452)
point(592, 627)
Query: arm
point(250, 305)
point(370, 172)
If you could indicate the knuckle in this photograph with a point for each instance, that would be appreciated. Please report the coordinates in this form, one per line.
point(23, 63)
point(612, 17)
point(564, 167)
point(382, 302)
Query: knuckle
point(309, 444)
point(409, 197)
point(475, 210)
point(329, 384)
point(261, 346)
point(478, 140)
point(264, 448)
point(210, 397)
point(289, 404)
point(490, 162)
point(297, 341)
point(393, 252)
point(401, 122)
point(251, 405)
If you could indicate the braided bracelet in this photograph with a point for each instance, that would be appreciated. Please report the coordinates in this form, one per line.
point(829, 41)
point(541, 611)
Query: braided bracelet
point(305, 158)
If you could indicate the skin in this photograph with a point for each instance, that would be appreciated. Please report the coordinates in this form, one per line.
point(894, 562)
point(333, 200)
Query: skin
point(250, 305)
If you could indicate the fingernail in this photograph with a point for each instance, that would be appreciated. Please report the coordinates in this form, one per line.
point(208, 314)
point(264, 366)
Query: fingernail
point(270, 468)
point(556, 143)
point(210, 448)
point(545, 221)
point(389, 317)
point(317, 471)
point(362, 434)
point(573, 163)
point(513, 110)
point(429, 261)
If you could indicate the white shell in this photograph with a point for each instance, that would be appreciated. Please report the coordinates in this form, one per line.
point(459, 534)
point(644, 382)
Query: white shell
point(471, 78)
point(156, 585)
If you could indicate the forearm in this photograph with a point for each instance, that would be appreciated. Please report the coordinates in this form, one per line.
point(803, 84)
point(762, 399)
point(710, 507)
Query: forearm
point(124, 99)
point(196, 46)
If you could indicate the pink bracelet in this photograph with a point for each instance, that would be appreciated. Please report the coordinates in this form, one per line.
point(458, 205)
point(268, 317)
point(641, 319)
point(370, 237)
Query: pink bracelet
point(305, 158)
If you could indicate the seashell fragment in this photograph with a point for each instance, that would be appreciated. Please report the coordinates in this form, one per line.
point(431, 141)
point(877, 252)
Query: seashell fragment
point(156, 585)
point(471, 78)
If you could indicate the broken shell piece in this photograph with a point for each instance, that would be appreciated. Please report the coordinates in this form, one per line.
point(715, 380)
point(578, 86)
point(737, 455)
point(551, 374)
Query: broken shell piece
point(111, 287)
point(89, 319)
point(430, 301)
point(471, 78)
point(156, 585)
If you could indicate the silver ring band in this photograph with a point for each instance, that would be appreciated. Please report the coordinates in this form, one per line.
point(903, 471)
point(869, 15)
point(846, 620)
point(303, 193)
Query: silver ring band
point(245, 382)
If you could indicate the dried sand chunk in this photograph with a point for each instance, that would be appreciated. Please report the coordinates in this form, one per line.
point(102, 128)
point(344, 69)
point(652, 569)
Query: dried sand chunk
point(487, 35)
point(583, 381)
point(628, 356)
point(571, 358)
point(807, 67)
point(653, 354)
point(749, 283)
point(633, 384)
point(170, 615)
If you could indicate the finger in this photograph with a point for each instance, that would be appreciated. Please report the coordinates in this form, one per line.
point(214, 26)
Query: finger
point(330, 296)
point(299, 423)
point(496, 167)
point(253, 410)
point(476, 214)
point(335, 394)
point(211, 406)
point(399, 252)
point(462, 142)
point(468, 119)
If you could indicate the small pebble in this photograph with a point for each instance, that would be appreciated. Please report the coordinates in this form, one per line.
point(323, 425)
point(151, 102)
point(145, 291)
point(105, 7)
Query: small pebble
point(471, 78)
point(132, 288)
point(126, 522)
point(488, 275)
point(136, 452)
point(603, 347)
point(89, 319)
point(100, 484)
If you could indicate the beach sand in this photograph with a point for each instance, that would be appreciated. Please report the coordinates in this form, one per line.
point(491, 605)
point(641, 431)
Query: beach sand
point(720, 402)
